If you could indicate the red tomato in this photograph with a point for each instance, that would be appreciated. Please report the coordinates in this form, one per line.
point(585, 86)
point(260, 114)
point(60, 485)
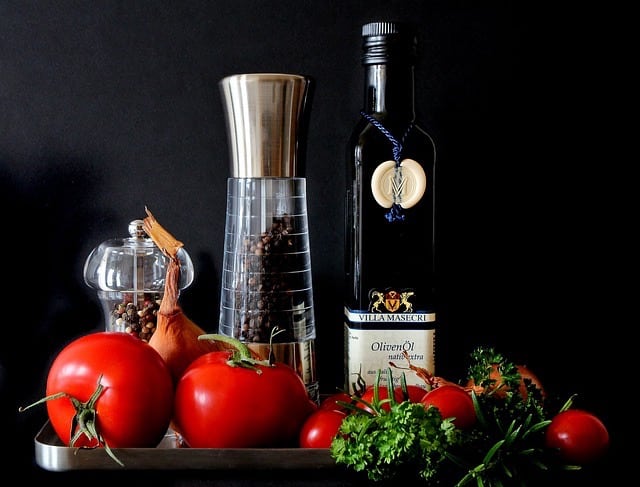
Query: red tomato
point(320, 428)
point(452, 402)
point(220, 406)
point(415, 394)
point(331, 402)
point(579, 437)
point(134, 408)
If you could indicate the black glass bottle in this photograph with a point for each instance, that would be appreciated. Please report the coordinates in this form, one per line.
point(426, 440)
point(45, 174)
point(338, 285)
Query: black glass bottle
point(390, 210)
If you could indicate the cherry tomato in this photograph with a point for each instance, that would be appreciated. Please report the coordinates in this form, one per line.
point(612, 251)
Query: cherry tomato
point(414, 394)
point(579, 436)
point(320, 428)
point(452, 402)
point(331, 402)
point(221, 406)
point(134, 408)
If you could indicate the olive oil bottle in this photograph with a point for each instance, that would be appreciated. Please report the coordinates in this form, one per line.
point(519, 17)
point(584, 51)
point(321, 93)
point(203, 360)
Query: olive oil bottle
point(390, 314)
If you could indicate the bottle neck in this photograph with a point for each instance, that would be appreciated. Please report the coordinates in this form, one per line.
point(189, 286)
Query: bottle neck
point(389, 90)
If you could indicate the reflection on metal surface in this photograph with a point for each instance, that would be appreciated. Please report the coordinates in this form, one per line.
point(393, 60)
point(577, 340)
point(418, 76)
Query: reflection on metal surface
point(52, 455)
point(264, 113)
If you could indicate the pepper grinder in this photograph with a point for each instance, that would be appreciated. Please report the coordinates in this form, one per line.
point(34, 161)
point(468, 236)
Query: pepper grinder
point(129, 276)
point(266, 292)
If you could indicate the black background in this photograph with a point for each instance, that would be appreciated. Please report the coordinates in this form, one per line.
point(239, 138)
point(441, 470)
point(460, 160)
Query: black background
point(107, 107)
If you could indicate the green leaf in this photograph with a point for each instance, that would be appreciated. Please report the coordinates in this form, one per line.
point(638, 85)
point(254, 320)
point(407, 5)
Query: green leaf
point(492, 451)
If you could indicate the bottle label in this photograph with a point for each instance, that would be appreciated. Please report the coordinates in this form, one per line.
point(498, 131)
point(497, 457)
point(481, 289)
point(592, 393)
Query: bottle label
point(402, 184)
point(365, 320)
point(370, 350)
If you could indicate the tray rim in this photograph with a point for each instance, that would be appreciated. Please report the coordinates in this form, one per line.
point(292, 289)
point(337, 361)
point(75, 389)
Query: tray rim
point(52, 455)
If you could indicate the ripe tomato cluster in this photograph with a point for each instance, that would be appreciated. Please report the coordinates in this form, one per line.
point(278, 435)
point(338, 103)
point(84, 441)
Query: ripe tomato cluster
point(113, 390)
point(577, 437)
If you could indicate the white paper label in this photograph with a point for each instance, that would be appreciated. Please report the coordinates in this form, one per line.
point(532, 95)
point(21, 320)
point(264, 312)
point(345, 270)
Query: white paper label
point(368, 351)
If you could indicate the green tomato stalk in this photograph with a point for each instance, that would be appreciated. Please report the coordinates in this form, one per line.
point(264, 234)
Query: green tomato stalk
point(84, 421)
point(241, 354)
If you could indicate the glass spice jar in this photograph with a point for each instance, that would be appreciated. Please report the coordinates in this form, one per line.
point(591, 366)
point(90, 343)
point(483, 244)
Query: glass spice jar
point(129, 277)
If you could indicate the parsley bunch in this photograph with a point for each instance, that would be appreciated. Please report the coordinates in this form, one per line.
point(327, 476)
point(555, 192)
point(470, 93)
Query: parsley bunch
point(406, 437)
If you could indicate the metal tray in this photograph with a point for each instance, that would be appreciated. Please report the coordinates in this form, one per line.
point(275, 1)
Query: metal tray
point(51, 454)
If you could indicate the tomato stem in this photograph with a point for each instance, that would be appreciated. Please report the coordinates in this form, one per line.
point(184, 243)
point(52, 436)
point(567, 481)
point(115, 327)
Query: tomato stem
point(84, 421)
point(241, 356)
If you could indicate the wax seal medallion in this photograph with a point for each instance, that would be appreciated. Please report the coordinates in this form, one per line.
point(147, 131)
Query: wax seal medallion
point(403, 185)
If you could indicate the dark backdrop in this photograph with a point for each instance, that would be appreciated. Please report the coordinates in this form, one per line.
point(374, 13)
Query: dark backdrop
point(107, 107)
